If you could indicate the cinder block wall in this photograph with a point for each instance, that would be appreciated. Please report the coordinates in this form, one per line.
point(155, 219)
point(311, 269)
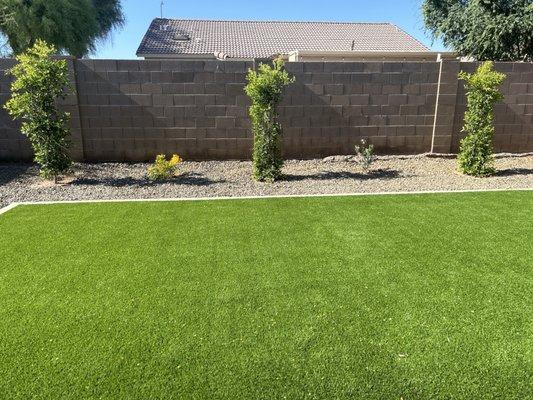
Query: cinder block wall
point(13, 145)
point(131, 110)
point(333, 105)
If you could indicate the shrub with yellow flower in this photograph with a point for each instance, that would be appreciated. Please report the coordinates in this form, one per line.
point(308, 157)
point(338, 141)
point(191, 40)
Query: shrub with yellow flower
point(163, 169)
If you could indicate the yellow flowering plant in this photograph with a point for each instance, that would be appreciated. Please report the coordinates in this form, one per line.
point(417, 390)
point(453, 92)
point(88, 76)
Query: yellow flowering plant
point(163, 169)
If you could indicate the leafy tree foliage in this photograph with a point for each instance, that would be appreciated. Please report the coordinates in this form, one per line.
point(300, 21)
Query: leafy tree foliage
point(498, 30)
point(265, 89)
point(40, 81)
point(73, 26)
point(476, 151)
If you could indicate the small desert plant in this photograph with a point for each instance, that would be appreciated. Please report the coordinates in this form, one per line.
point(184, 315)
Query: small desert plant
point(40, 81)
point(265, 89)
point(364, 155)
point(163, 169)
point(476, 150)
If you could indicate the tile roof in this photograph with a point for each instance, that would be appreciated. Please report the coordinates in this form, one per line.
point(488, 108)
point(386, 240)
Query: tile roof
point(258, 39)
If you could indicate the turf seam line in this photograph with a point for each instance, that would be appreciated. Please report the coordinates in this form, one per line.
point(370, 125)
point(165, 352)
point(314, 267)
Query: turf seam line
point(170, 199)
point(8, 207)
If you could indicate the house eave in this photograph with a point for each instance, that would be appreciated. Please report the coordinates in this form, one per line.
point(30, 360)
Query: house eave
point(175, 55)
point(182, 56)
point(302, 55)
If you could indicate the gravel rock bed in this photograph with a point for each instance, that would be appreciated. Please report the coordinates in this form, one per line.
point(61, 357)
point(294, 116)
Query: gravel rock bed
point(19, 182)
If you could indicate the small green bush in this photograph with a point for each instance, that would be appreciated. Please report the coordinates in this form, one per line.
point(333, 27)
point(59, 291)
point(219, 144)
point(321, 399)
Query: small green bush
point(163, 169)
point(364, 154)
point(41, 80)
point(476, 150)
point(265, 89)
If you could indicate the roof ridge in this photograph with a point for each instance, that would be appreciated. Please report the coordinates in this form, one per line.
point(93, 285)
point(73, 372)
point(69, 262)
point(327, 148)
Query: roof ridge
point(282, 21)
point(411, 36)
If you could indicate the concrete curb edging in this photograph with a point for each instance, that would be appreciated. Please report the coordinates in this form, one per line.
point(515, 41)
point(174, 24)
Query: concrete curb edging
point(8, 207)
point(178, 199)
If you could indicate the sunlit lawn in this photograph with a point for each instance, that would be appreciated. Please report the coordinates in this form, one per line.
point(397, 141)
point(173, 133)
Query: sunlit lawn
point(374, 297)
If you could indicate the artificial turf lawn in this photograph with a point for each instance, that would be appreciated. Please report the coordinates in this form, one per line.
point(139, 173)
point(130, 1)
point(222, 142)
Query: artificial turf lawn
point(378, 297)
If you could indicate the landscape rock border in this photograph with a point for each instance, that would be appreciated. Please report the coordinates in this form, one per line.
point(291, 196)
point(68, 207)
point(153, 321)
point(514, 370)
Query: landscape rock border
point(20, 182)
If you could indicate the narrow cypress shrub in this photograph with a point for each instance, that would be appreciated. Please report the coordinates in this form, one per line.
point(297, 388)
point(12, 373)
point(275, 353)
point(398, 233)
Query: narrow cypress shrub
point(265, 89)
point(476, 150)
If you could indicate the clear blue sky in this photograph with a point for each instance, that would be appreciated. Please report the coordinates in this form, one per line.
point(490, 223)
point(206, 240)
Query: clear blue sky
point(139, 13)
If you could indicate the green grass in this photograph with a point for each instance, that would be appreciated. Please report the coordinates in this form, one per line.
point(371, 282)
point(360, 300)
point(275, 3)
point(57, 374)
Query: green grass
point(379, 297)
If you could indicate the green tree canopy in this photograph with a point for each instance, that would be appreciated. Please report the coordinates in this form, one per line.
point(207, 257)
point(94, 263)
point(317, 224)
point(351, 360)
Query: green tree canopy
point(73, 26)
point(499, 30)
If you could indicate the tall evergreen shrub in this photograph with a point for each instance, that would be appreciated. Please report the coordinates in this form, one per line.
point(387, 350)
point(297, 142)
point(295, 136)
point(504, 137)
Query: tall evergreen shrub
point(40, 81)
point(476, 150)
point(265, 89)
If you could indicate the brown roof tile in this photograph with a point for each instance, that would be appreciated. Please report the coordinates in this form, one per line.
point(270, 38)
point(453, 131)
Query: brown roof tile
point(257, 39)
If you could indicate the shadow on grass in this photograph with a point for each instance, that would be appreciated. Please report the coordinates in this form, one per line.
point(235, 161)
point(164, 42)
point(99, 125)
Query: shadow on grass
point(12, 171)
point(187, 178)
point(514, 171)
point(330, 175)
